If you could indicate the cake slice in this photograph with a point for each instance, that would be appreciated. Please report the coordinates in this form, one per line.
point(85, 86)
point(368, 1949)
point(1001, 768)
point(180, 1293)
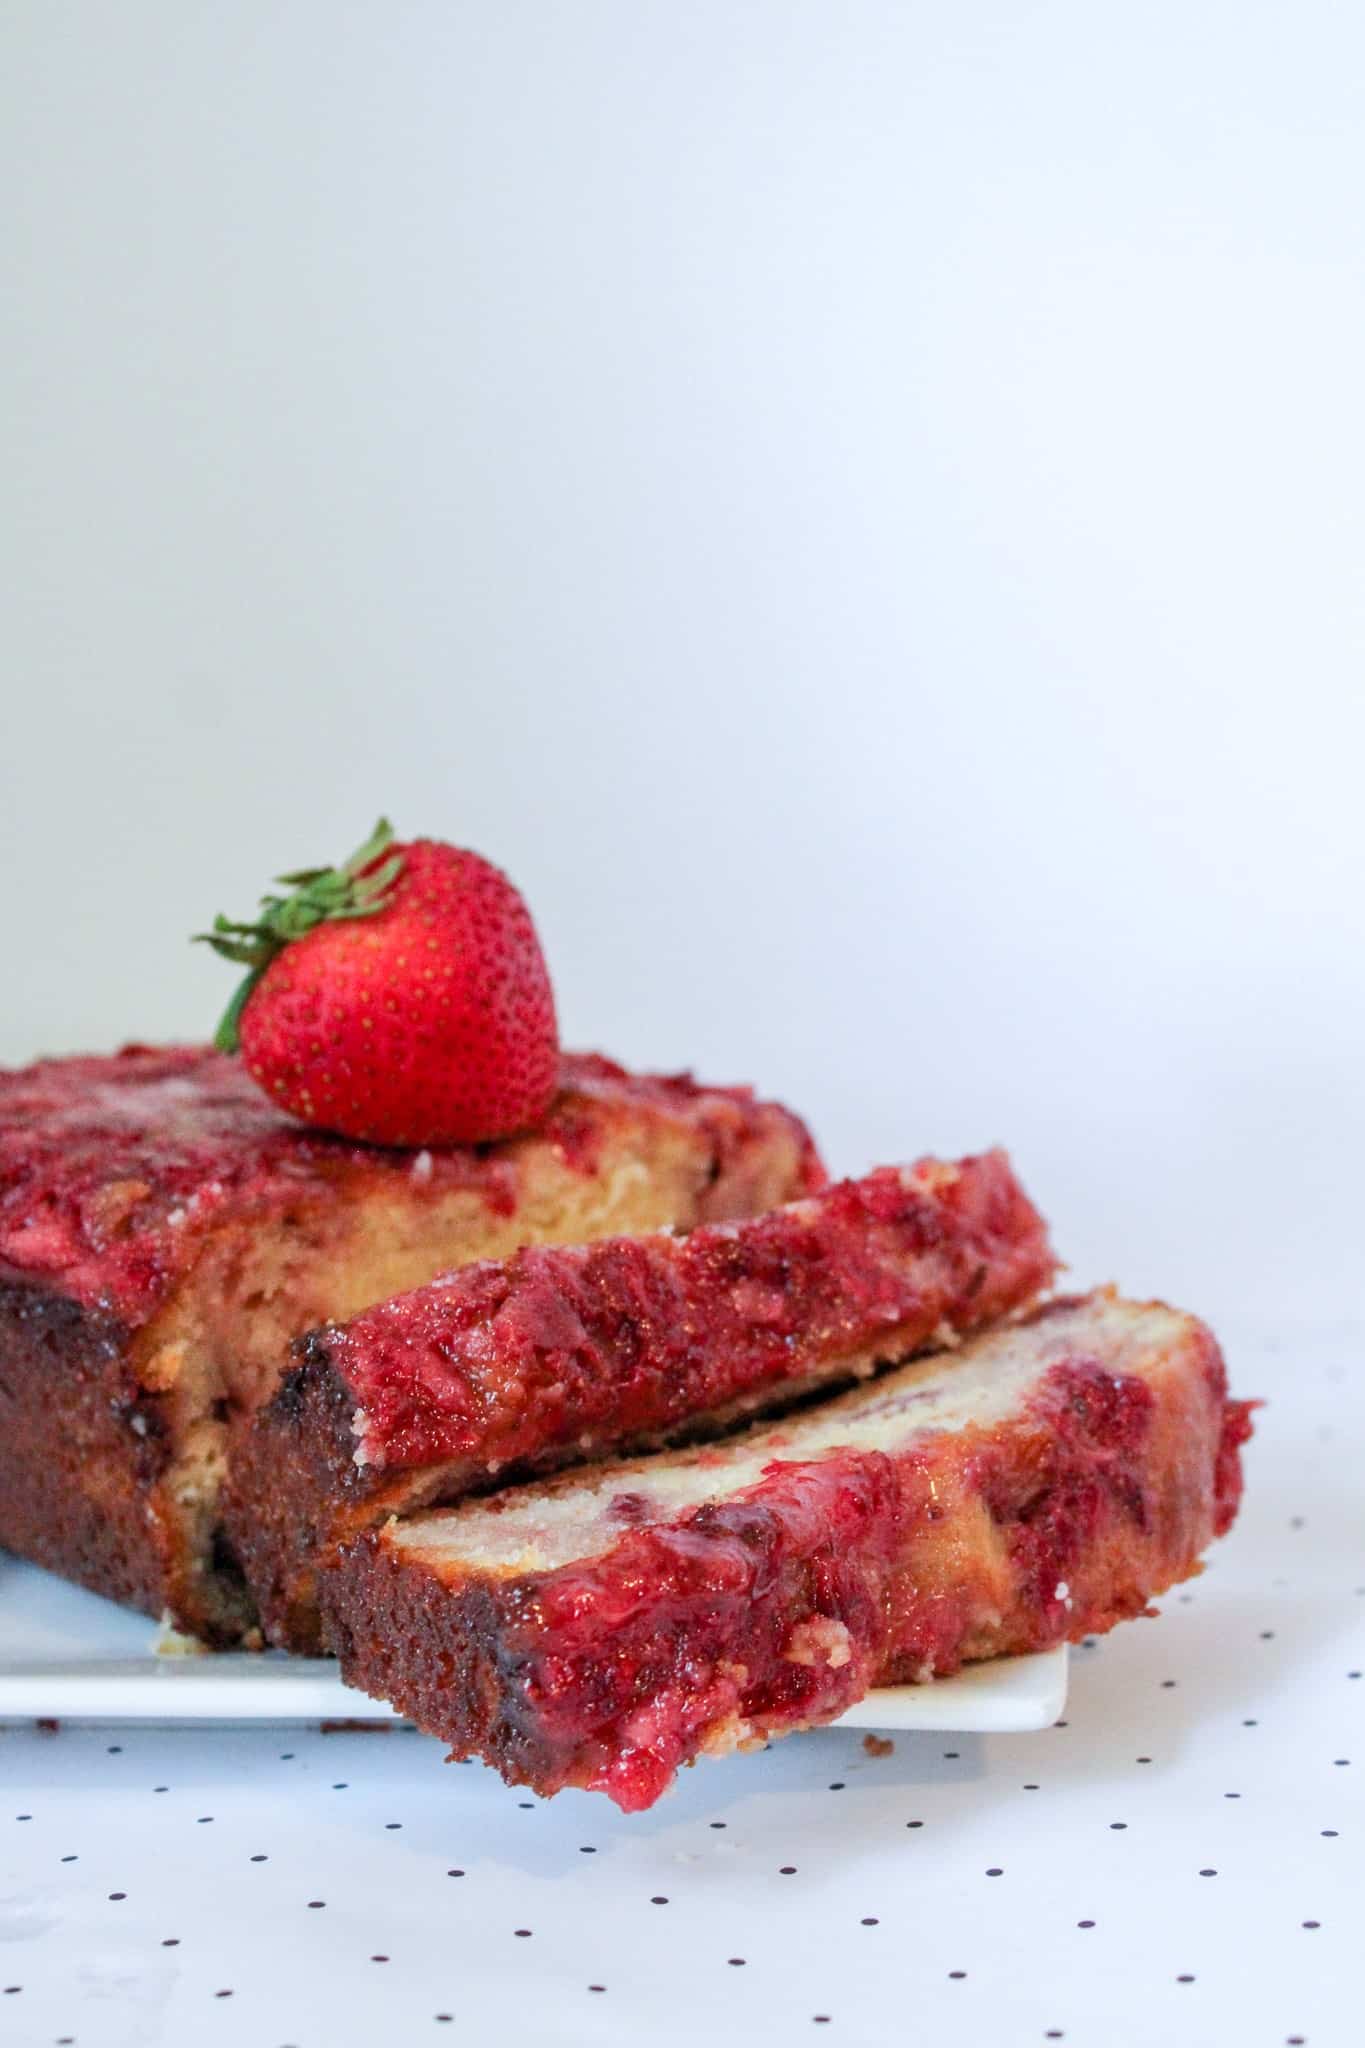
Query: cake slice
point(562, 1353)
point(599, 1630)
point(164, 1232)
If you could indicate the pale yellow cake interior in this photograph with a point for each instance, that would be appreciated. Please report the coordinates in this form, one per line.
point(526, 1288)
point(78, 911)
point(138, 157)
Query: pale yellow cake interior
point(539, 1528)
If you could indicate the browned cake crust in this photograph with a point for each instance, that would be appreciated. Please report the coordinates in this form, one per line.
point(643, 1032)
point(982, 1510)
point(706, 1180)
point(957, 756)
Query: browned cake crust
point(85, 1449)
point(563, 1353)
point(294, 1491)
point(164, 1232)
point(1040, 1484)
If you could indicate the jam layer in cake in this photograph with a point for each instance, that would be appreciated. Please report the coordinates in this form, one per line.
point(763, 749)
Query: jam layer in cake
point(164, 1232)
point(562, 1353)
point(1040, 1484)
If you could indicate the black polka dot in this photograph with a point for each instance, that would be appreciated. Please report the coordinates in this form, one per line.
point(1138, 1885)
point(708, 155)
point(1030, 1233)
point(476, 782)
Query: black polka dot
point(454, 1873)
point(171, 1941)
point(736, 1962)
point(658, 1900)
point(1085, 1923)
point(587, 1850)
point(1118, 1823)
point(1208, 1872)
point(995, 1871)
point(118, 1895)
point(957, 1973)
point(787, 1870)
point(1312, 1923)
point(222, 1994)
point(837, 1786)
point(390, 1825)
point(597, 1987)
point(522, 1933)
point(870, 1922)
point(718, 1823)
point(914, 1823)
point(316, 1905)
point(1184, 1980)
point(379, 1959)
point(260, 1859)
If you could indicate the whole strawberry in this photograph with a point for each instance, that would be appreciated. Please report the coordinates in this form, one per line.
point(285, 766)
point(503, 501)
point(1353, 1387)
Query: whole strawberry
point(401, 998)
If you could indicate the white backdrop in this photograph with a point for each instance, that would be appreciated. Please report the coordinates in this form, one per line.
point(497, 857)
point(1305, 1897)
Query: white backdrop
point(858, 506)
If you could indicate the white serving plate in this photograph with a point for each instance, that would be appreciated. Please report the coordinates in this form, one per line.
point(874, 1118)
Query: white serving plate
point(68, 1655)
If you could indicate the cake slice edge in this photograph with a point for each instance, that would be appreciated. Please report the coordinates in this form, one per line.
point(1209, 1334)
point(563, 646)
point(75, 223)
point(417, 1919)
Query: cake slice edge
point(1042, 1483)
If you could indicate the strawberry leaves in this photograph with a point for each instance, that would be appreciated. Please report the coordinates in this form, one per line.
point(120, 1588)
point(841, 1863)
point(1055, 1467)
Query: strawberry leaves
point(360, 887)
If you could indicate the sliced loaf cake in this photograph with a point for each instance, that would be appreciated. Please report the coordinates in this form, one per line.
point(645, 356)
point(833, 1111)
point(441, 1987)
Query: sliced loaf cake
point(164, 1232)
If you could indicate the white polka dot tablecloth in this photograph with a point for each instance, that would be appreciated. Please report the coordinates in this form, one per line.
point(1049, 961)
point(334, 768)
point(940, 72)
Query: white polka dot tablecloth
point(1178, 1861)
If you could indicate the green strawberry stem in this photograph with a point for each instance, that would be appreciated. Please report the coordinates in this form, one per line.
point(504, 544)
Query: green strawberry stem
point(320, 896)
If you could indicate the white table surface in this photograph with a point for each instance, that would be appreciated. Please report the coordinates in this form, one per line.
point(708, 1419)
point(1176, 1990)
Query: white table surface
point(1178, 1863)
